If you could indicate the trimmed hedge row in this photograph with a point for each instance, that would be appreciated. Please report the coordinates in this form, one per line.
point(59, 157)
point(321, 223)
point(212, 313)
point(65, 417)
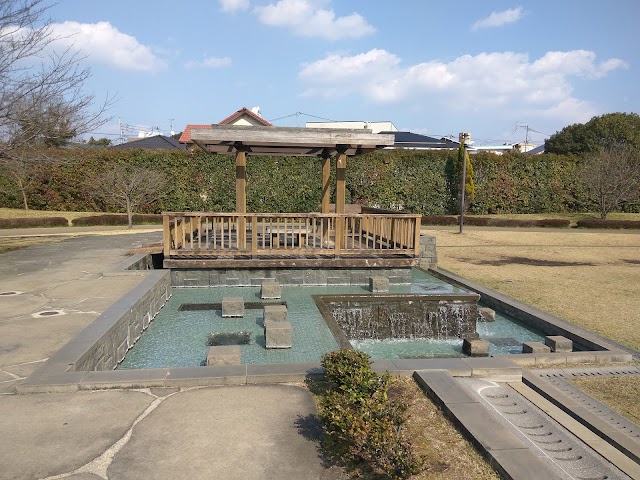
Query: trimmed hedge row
point(599, 223)
point(33, 222)
point(96, 220)
point(415, 181)
point(515, 222)
point(494, 222)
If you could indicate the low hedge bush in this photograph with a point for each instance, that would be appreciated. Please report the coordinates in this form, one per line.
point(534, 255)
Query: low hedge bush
point(364, 428)
point(113, 220)
point(599, 223)
point(439, 220)
point(33, 222)
point(516, 222)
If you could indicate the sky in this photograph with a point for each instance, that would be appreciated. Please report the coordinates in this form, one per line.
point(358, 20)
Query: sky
point(491, 68)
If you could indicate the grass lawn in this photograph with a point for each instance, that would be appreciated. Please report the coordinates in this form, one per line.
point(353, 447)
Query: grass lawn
point(9, 243)
point(591, 279)
point(18, 213)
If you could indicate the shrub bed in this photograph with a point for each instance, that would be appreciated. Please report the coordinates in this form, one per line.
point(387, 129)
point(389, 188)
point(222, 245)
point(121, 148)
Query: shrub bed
point(364, 427)
point(114, 220)
point(515, 222)
point(439, 220)
point(599, 223)
point(33, 222)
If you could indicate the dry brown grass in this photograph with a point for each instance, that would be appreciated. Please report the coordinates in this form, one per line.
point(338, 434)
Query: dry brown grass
point(19, 213)
point(449, 456)
point(622, 394)
point(9, 243)
point(587, 278)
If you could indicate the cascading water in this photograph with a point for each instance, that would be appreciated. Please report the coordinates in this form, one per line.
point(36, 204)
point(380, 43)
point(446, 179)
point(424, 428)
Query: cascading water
point(415, 316)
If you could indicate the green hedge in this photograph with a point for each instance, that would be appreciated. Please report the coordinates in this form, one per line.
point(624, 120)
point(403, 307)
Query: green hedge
point(415, 181)
point(137, 219)
point(33, 222)
point(599, 223)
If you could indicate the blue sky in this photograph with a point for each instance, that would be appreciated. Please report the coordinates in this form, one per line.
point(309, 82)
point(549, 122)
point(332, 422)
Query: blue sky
point(436, 68)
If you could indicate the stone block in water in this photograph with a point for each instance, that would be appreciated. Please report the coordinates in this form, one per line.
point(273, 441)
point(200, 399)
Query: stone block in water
point(270, 290)
point(277, 334)
point(379, 284)
point(275, 313)
point(486, 314)
point(475, 347)
point(232, 307)
point(223, 355)
point(535, 347)
point(558, 343)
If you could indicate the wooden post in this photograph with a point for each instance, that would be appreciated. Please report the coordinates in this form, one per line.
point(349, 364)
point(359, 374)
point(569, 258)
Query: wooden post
point(241, 198)
point(326, 195)
point(166, 233)
point(326, 188)
point(340, 200)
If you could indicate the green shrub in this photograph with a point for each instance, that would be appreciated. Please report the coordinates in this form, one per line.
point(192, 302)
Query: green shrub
point(100, 220)
point(364, 428)
point(114, 220)
point(599, 223)
point(516, 222)
point(439, 220)
point(33, 222)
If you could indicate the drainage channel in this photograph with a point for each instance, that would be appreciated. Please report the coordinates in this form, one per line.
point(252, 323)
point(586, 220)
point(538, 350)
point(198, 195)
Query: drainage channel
point(590, 404)
point(569, 457)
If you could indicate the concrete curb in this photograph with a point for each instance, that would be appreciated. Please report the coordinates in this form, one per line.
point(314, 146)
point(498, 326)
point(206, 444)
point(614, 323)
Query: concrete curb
point(505, 452)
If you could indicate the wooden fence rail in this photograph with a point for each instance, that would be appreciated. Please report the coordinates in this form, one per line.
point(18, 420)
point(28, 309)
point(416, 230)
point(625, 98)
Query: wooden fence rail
point(207, 235)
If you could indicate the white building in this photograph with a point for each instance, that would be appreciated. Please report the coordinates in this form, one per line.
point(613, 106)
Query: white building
point(375, 127)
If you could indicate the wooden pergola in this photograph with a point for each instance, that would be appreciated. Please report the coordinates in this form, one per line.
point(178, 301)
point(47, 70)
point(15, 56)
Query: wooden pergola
point(296, 229)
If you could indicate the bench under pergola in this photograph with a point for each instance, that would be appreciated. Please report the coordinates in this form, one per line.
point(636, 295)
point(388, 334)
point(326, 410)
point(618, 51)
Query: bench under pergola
point(316, 239)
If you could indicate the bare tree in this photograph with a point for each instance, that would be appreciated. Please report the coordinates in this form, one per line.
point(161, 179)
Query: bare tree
point(42, 102)
point(129, 187)
point(612, 177)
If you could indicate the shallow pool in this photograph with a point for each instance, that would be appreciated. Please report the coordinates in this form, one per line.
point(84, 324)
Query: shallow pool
point(179, 338)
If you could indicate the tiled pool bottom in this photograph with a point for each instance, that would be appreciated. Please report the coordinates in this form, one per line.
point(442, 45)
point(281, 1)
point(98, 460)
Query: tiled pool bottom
point(179, 338)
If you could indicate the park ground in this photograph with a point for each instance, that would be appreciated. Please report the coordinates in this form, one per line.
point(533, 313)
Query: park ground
point(589, 278)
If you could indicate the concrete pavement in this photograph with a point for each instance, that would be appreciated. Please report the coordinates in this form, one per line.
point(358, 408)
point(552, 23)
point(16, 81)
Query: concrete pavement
point(48, 293)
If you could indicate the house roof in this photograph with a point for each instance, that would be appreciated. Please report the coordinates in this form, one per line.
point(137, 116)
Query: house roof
point(536, 151)
point(244, 110)
point(155, 142)
point(186, 133)
point(415, 140)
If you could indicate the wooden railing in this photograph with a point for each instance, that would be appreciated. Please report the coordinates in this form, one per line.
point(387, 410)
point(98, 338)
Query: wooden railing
point(203, 234)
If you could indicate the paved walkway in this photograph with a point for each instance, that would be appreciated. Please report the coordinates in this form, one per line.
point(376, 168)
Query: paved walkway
point(48, 293)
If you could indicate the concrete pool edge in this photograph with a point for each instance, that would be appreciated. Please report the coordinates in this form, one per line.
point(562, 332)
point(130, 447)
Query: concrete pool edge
point(63, 372)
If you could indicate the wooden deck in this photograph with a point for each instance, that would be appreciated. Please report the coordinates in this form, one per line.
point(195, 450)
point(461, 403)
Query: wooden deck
point(259, 240)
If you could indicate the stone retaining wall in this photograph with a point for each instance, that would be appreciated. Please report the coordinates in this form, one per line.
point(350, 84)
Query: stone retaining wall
point(286, 276)
point(115, 331)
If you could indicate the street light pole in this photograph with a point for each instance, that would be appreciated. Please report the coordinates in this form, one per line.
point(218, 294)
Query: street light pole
point(463, 139)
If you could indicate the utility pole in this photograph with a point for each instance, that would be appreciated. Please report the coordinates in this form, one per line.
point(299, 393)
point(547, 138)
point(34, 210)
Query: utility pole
point(463, 138)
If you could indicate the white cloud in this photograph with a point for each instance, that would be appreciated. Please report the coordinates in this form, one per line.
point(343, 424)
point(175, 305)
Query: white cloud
point(210, 62)
point(307, 18)
point(486, 82)
point(498, 19)
point(234, 5)
point(104, 43)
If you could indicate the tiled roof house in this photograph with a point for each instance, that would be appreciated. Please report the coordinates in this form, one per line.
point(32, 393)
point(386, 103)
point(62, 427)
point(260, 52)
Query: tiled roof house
point(244, 116)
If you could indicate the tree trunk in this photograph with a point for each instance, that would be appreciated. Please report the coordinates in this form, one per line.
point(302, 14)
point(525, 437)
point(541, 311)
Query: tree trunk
point(23, 190)
point(129, 213)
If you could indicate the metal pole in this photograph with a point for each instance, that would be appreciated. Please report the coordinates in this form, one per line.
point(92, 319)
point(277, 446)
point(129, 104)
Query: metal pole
point(464, 178)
